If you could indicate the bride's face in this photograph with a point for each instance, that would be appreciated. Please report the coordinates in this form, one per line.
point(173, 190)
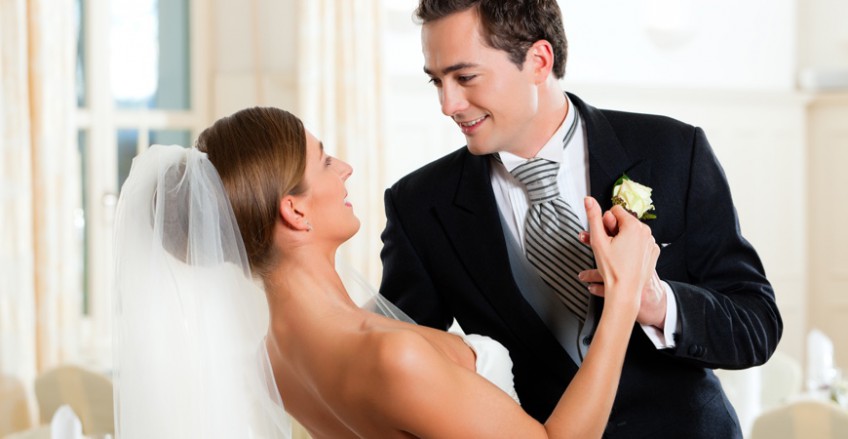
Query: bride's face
point(330, 213)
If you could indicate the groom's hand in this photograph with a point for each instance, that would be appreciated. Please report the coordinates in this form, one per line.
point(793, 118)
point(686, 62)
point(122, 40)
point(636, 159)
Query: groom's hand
point(653, 308)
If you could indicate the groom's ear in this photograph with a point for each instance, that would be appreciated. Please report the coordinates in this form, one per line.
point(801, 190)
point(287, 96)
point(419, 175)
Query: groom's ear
point(292, 214)
point(540, 58)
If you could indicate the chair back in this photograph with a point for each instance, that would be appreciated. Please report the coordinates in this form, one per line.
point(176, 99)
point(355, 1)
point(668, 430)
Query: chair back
point(781, 380)
point(14, 406)
point(802, 419)
point(88, 393)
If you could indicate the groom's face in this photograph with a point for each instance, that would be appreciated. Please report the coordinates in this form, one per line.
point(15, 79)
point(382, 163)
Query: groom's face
point(492, 101)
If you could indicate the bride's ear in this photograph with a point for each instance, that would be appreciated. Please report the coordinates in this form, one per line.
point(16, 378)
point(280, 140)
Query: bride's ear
point(292, 214)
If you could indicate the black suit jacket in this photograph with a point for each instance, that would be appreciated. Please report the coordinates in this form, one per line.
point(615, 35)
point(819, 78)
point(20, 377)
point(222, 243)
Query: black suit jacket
point(445, 257)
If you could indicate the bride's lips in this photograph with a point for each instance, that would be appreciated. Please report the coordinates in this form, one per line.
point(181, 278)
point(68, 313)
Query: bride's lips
point(470, 126)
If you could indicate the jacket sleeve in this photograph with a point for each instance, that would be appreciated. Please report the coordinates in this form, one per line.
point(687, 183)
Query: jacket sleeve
point(405, 280)
point(727, 315)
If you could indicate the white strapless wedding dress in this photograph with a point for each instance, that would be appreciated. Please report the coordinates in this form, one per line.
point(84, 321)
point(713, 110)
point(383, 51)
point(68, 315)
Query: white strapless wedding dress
point(493, 362)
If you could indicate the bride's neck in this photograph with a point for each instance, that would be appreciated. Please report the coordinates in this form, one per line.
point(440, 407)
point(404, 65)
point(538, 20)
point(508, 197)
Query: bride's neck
point(307, 281)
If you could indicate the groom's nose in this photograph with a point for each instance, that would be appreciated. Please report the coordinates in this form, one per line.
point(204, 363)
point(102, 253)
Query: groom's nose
point(452, 98)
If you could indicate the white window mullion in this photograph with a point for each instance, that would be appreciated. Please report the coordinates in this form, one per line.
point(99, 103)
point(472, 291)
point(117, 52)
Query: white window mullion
point(143, 139)
point(101, 170)
point(201, 61)
point(158, 119)
point(102, 121)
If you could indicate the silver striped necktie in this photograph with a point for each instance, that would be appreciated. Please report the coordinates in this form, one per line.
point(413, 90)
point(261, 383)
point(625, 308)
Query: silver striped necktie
point(550, 235)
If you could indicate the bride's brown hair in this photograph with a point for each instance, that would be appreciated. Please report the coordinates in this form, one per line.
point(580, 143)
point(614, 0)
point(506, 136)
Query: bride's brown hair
point(260, 154)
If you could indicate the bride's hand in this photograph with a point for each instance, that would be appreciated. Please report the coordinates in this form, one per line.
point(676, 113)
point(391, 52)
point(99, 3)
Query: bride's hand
point(626, 260)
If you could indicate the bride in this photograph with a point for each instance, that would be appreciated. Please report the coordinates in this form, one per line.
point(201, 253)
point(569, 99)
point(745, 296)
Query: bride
point(261, 196)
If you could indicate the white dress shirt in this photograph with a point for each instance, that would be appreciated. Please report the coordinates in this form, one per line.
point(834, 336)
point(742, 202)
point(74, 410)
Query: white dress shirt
point(573, 180)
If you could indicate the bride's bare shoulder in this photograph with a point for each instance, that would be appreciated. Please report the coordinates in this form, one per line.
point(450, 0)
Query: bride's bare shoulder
point(401, 366)
point(414, 387)
point(398, 351)
point(392, 360)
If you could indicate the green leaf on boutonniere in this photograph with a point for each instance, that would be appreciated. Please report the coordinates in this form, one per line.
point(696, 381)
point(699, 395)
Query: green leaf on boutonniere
point(620, 180)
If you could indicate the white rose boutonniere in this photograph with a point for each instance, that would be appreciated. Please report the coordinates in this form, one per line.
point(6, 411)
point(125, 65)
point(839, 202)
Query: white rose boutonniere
point(634, 197)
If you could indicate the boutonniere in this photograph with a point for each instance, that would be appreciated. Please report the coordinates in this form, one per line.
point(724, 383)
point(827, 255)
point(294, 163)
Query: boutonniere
point(634, 197)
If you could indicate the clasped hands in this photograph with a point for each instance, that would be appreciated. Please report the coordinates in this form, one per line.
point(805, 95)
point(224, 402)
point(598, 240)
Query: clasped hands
point(652, 307)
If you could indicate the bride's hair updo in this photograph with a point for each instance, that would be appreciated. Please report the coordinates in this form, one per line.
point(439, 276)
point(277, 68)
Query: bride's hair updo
point(260, 154)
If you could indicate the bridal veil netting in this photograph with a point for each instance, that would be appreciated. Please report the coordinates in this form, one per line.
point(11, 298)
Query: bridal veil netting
point(190, 321)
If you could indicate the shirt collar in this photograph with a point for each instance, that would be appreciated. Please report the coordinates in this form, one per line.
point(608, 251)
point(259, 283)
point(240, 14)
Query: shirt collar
point(553, 149)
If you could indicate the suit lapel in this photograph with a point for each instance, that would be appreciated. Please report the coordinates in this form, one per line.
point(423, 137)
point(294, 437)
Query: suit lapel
point(473, 224)
point(608, 159)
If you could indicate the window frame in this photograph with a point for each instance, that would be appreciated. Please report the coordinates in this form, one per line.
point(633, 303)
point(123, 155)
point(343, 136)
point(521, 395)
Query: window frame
point(101, 121)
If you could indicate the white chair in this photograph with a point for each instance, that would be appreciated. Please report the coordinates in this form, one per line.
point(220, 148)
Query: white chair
point(781, 380)
point(14, 406)
point(802, 419)
point(50, 431)
point(42, 432)
point(755, 390)
point(88, 393)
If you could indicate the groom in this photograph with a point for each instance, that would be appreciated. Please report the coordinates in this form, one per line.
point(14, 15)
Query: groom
point(458, 244)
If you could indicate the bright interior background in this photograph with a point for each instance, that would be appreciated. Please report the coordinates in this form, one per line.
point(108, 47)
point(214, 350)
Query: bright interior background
point(767, 80)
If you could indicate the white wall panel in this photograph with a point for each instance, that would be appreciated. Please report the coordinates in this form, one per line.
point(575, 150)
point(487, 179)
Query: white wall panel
point(682, 43)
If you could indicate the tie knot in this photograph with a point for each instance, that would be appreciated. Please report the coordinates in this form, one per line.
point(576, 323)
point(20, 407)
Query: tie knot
point(539, 176)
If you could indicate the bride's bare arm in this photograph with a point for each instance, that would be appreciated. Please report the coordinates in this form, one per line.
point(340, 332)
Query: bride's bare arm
point(428, 396)
point(626, 262)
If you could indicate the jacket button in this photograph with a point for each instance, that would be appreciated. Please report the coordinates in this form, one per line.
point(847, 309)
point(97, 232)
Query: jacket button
point(587, 340)
point(696, 351)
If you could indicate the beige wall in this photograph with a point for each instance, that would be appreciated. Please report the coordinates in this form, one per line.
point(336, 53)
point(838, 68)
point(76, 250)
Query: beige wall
point(827, 213)
point(254, 55)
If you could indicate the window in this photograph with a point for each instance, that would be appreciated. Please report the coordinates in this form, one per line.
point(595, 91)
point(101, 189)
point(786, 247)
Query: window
point(139, 73)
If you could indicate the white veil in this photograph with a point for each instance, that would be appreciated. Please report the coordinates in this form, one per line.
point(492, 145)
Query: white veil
point(366, 297)
point(190, 322)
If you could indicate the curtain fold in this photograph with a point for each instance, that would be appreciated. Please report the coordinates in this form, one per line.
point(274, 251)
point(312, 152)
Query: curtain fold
point(40, 289)
point(340, 99)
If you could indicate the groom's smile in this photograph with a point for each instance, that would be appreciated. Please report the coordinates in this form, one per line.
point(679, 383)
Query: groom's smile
point(493, 99)
point(471, 126)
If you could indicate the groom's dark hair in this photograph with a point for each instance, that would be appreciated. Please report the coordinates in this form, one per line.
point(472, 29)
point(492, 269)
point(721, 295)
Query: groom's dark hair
point(512, 26)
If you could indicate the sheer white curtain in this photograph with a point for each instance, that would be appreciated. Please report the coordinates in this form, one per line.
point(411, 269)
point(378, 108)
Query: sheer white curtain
point(340, 99)
point(39, 188)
